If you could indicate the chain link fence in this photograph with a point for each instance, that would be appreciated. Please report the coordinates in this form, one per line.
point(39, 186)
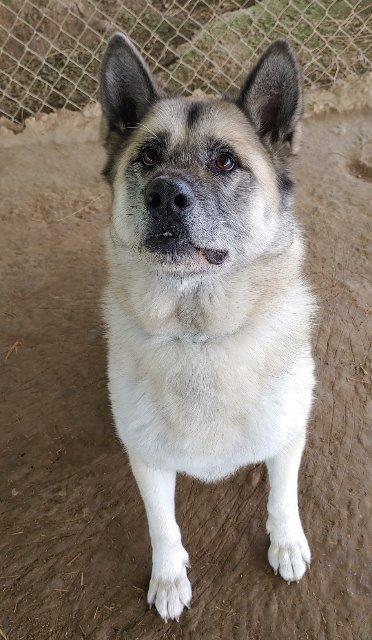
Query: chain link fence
point(50, 50)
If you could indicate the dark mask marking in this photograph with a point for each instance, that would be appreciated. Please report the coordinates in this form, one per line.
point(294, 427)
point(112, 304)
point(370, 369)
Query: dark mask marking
point(195, 111)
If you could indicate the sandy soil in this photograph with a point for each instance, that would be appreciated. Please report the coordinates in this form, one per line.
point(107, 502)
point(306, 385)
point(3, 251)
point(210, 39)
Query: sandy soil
point(74, 544)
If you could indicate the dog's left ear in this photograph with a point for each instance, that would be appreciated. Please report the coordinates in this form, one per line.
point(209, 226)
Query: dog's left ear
point(272, 95)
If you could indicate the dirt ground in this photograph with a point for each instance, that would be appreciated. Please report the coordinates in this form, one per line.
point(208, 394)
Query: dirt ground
point(75, 556)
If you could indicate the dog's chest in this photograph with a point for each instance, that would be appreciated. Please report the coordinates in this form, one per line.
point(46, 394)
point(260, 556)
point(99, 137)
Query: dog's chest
point(205, 409)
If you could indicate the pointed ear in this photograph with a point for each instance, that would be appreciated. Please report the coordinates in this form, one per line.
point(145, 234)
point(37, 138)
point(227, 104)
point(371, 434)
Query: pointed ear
point(272, 94)
point(127, 88)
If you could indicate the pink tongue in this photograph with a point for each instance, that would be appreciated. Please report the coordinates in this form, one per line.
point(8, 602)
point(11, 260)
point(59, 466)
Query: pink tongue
point(214, 256)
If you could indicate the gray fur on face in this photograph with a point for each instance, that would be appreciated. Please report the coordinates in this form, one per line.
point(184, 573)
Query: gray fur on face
point(244, 212)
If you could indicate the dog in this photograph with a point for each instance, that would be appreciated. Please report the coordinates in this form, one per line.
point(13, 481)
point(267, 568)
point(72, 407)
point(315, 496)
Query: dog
point(207, 310)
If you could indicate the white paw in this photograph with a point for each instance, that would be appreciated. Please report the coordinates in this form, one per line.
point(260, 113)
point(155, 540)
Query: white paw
point(170, 588)
point(170, 596)
point(289, 558)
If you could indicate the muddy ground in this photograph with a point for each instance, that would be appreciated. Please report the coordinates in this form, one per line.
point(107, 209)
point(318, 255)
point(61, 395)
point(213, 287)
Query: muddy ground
point(74, 545)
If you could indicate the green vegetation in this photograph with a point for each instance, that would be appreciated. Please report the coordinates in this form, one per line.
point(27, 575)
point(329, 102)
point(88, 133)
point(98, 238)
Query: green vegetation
point(186, 45)
point(325, 34)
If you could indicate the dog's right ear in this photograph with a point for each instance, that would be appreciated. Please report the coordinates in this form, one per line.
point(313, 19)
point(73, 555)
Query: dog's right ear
point(127, 87)
point(272, 95)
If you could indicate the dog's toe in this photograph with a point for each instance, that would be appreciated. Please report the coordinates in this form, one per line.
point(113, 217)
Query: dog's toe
point(170, 596)
point(290, 559)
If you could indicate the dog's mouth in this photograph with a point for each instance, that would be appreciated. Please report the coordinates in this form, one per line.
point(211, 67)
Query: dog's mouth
point(170, 246)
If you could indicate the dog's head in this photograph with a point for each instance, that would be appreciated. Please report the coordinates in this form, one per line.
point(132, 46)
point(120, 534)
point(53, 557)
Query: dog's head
point(199, 185)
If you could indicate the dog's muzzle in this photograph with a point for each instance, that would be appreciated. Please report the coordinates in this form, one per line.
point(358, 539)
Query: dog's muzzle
point(169, 201)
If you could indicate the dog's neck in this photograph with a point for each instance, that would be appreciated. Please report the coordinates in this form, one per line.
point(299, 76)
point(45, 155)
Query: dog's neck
point(206, 307)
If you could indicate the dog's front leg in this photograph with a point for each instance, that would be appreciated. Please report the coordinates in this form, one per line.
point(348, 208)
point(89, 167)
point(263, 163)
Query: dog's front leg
point(170, 588)
point(289, 551)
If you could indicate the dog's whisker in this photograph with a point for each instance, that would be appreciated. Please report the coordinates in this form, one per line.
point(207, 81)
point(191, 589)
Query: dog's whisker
point(75, 213)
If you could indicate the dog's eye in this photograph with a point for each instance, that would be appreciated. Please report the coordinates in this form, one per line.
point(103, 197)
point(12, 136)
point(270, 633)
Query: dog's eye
point(149, 157)
point(225, 161)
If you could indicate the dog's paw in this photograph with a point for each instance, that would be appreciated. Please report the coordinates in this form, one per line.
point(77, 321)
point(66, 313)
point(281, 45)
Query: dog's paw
point(170, 588)
point(290, 559)
point(170, 596)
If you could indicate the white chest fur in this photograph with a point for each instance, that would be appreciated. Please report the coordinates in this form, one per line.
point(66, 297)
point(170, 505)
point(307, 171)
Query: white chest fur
point(206, 406)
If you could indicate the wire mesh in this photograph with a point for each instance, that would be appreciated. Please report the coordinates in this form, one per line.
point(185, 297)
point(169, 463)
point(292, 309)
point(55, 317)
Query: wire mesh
point(50, 50)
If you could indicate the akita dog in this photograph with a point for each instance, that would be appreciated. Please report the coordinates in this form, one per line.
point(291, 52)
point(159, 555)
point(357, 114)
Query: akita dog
point(208, 314)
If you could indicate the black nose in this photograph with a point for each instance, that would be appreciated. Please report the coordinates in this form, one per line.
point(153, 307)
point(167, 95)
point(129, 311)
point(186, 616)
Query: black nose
point(168, 196)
